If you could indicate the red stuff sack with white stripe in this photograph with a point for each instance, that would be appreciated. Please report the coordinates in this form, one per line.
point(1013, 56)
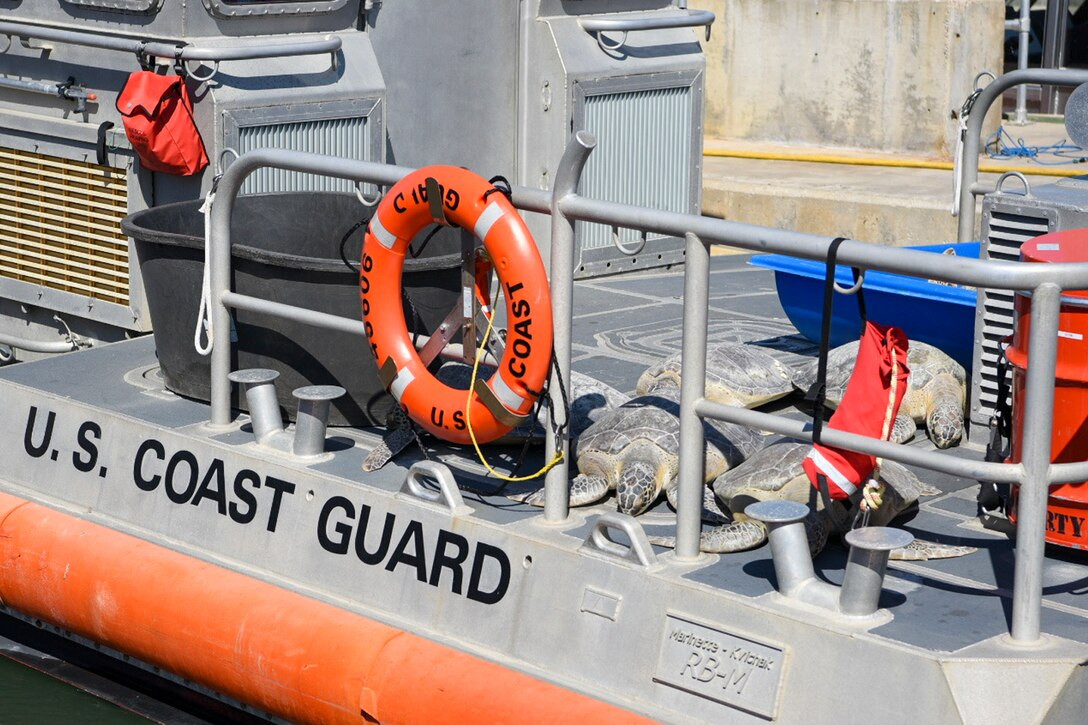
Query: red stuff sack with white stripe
point(158, 117)
point(868, 407)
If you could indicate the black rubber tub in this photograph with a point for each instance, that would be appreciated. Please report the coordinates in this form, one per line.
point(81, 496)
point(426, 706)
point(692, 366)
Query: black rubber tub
point(286, 248)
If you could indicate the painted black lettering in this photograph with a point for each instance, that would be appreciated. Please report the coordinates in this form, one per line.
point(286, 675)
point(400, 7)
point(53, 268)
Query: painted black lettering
point(172, 492)
point(522, 348)
point(1061, 522)
point(498, 556)
point(87, 431)
point(442, 560)
point(437, 416)
point(342, 528)
point(38, 450)
point(521, 308)
point(143, 483)
point(411, 538)
point(459, 420)
point(453, 199)
point(213, 486)
point(245, 496)
point(398, 203)
point(1078, 524)
point(523, 328)
point(512, 288)
point(516, 367)
point(383, 546)
point(279, 487)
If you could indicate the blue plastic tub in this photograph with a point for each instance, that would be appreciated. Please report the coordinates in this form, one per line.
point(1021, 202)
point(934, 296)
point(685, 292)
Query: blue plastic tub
point(939, 314)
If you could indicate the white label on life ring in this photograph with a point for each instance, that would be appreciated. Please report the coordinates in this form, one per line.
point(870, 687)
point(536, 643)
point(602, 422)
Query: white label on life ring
point(1070, 335)
point(1049, 247)
point(506, 395)
point(401, 382)
point(487, 220)
point(383, 235)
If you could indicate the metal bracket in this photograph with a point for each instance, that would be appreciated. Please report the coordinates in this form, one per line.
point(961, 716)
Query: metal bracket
point(447, 492)
point(600, 541)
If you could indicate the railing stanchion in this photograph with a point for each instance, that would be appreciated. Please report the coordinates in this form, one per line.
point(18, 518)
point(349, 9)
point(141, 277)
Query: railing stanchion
point(1031, 507)
point(556, 482)
point(692, 388)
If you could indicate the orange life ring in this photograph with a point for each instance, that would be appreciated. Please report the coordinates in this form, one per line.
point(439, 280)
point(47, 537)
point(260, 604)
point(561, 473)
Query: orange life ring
point(508, 396)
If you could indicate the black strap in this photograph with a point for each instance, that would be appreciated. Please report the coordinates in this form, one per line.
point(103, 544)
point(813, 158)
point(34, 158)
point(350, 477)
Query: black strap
point(100, 149)
point(818, 392)
point(992, 495)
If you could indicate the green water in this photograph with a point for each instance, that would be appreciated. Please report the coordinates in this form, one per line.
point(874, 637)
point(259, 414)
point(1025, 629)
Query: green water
point(28, 697)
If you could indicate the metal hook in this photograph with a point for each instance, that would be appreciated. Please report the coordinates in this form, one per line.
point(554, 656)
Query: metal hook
point(199, 78)
point(630, 252)
point(370, 203)
point(220, 167)
point(983, 74)
point(610, 48)
point(852, 290)
point(1016, 175)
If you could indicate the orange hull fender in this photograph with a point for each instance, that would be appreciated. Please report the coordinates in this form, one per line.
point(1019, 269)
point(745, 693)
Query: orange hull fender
point(508, 396)
point(275, 650)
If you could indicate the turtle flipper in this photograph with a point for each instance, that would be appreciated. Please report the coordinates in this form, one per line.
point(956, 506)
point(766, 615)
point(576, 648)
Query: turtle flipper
point(724, 539)
point(903, 429)
point(922, 550)
point(712, 510)
point(394, 441)
point(584, 490)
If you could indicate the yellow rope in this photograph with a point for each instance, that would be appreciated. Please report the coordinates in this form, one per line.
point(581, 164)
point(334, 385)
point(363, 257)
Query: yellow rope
point(889, 163)
point(468, 421)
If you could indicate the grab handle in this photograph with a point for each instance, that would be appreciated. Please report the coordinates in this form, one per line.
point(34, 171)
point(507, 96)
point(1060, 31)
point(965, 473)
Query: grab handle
point(447, 492)
point(639, 551)
point(598, 26)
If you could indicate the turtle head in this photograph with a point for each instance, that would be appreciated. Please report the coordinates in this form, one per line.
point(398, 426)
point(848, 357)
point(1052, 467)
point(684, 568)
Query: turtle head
point(638, 487)
point(944, 424)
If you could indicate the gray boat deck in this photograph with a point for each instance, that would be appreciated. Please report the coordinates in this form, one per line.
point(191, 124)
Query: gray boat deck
point(623, 324)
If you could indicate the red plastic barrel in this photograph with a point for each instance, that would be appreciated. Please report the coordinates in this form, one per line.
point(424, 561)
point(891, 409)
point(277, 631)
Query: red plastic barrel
point(1067, 507)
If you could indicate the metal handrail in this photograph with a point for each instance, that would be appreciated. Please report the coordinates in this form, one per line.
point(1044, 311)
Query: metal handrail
point(177, 51)
point(973, 136)
point(1033, 474)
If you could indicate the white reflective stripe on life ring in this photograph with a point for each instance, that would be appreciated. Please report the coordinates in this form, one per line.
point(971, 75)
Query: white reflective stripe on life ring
point(385, 237)
point(831, 472)
point(403, 379)
point(506, 395)
point(491, 214)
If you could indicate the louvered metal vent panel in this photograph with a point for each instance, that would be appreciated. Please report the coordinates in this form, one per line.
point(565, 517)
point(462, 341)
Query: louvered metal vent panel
point(60, 225)
point(1007, 232)
point(347, 138)
point(643, 155)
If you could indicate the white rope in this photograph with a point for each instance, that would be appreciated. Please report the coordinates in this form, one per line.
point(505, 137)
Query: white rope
point(203, 318)
point(872, 495)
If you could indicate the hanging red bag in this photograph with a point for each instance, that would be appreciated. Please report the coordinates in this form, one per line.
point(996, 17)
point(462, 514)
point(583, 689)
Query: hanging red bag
point(158, 117)
point(871, 401)
point(868, 407)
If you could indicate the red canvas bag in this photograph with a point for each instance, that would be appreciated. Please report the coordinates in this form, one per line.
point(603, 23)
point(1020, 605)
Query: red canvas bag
point(868, 407)
point(158, 117)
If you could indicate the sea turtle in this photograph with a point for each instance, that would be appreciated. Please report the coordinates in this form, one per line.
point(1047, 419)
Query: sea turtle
point(591, 400)
point(936, 390)
point(775, 473)
point(634, 450)
point(736, 374)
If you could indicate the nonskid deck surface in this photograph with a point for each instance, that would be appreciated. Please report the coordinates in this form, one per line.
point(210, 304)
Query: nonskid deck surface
point(622, 325)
